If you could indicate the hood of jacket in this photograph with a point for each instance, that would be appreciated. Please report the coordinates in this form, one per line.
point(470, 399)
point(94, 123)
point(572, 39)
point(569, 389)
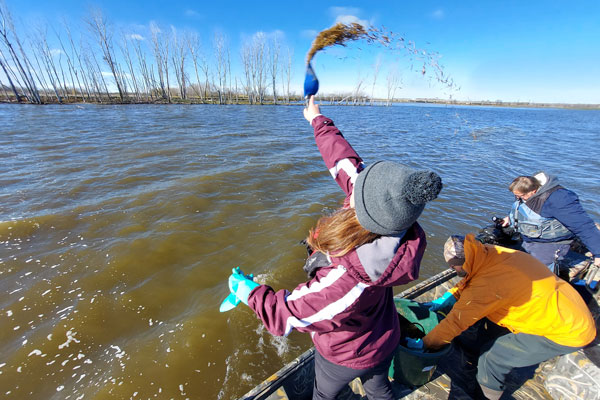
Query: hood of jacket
point(389, 260)
point(475, 257)
point(549, 185)
point(548, 182)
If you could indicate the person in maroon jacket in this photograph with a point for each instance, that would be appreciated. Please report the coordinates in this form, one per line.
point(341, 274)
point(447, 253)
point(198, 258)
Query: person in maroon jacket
point(361, 251)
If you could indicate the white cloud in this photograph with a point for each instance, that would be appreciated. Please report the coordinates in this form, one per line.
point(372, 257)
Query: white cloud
point(438, 14)
point(348, 19)
point(56, 52)
point(347, 15)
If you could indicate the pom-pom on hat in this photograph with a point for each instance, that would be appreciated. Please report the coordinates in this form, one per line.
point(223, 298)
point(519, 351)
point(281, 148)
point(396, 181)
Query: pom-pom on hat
point(389, 197)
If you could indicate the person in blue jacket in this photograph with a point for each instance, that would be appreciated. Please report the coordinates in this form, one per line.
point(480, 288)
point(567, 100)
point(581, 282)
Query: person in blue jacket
point(549, 217)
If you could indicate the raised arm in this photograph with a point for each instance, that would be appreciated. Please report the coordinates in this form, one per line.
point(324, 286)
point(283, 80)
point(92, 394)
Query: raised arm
point(341, 160)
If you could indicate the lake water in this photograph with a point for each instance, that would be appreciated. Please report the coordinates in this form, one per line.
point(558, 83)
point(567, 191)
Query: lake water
point(119, 226)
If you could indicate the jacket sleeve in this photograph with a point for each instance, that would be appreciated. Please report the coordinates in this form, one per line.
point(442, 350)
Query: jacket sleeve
point(320, 305)
point(341, 160)
point(564, 205)
point(472, 305)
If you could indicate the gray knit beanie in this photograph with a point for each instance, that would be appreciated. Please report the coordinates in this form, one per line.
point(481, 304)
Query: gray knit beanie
point(389, 197)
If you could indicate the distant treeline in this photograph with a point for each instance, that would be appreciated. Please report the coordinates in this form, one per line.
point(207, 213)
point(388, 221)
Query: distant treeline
point(101, 66)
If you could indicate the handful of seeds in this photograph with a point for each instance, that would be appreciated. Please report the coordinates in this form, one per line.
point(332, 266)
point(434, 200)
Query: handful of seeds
point(340, 34)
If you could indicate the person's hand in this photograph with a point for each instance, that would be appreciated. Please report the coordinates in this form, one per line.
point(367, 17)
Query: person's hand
point(505, 221)
point(415, 344)
point(241, 285)
point(311, 110)
point(442, 303)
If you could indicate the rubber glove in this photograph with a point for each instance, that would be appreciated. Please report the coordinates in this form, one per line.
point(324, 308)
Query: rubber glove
point(442, 303)
point(415, 344)
point(240, 286)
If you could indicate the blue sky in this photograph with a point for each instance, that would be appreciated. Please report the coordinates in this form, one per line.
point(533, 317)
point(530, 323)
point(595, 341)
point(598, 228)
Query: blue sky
point(539, 51)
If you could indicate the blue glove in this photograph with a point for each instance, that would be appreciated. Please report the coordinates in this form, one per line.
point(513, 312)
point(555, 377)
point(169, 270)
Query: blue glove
point(415, 344)
point(240, 286)
point(442, 303)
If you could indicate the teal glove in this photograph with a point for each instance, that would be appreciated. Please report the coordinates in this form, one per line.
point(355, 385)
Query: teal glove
point(415, 344)
point(240, 286)
point(443, 303)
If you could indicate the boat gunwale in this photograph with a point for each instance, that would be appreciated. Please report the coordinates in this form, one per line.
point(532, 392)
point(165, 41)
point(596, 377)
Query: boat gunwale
point(274, 382)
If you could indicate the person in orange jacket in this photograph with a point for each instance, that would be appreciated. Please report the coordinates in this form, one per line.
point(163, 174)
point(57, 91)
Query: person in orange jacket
point(535, 315)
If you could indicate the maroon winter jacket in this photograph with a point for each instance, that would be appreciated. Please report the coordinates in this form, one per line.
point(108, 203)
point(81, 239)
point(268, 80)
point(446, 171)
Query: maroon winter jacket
point(348, 306)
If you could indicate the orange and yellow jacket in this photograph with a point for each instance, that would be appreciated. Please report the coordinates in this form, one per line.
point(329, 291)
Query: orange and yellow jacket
point(514, 290)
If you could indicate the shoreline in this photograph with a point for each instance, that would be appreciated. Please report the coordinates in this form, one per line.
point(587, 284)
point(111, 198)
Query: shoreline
point(332, 100)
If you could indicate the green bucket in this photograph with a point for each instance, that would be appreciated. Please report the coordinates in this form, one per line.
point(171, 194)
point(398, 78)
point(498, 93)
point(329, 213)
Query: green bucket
point(411, 367)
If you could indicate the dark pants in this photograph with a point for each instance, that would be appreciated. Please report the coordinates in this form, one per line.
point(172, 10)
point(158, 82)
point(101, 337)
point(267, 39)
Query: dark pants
point(498, 351)
point(331, 378)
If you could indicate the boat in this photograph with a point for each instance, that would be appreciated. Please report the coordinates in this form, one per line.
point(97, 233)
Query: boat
point(571, 376)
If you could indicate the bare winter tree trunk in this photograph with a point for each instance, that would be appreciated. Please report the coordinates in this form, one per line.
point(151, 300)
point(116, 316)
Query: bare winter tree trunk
point(21, 62)
point(98, 26)
point(393, 83)
point(149, 81)
point(80, 71)
point(160, 46)
point(221, 57)
point(357, 91)
point(247, 65)
point(8, 76)
point(375, 74)
point(178, 57)
point(48, 63)
point(286, 75)
point(194, 49)
point(274, 50)
point(127, 56)
point(259, 65)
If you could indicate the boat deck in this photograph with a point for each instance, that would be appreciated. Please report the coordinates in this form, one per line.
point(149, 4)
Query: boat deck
point(572, 376)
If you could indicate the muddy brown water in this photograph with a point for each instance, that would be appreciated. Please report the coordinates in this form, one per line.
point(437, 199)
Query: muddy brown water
point(119, 226)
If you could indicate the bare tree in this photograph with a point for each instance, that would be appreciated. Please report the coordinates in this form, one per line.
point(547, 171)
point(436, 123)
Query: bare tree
point(222, 62)
point(147, 73)
point(79, 70)
point(99, 26)
point(160, 47)
point(8, 74)
point(247, 66)
point(259, 55)
point(376, 68)
point(179, 54)
point(358, 90)
point(193, 43)
point(274, 49)
point(71, 67)
point(48, 64)
point(124, 46)
point(20, 61)
point(286, 74)
point(393, 83)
